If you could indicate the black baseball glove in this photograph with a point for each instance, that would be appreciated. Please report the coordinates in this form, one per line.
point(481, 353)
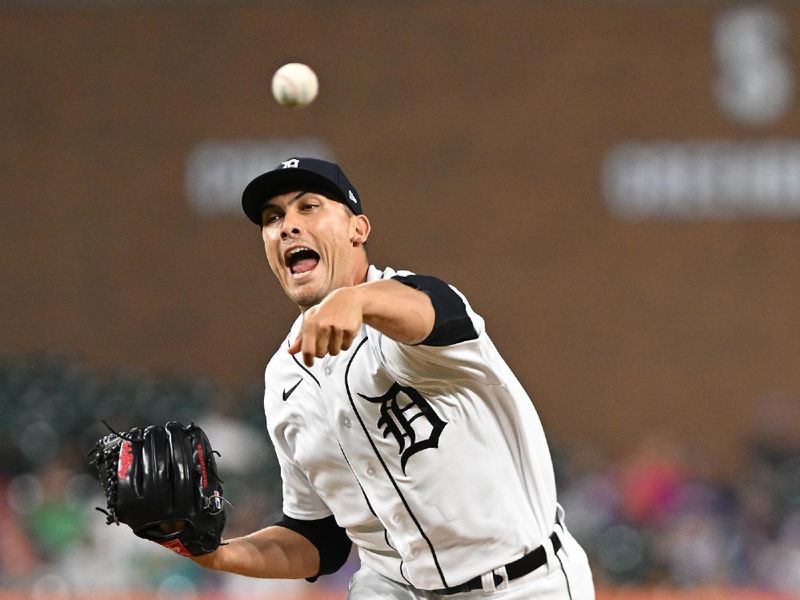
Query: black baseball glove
point(162, 482)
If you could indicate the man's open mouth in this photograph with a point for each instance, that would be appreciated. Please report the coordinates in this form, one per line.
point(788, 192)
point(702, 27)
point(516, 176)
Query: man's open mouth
point(301, 260)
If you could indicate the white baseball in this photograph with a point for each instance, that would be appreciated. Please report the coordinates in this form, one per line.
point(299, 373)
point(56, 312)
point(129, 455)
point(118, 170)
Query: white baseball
point(295, 84)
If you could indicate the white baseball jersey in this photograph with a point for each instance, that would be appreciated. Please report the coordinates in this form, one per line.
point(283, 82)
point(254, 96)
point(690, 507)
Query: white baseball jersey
point(431, 457)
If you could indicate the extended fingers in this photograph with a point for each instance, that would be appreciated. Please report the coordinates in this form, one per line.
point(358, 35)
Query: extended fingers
point(335, 342)
point(347, 339)
point(315, 342)
point(308, 347)
point(305, 344)
point(322, 341)
point(322, 333)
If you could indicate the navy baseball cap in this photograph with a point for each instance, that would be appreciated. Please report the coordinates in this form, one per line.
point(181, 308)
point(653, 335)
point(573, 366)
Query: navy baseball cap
point(299, 173)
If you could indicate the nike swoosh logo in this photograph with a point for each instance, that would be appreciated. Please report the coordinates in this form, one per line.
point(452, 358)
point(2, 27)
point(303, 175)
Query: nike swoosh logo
point(287, 393)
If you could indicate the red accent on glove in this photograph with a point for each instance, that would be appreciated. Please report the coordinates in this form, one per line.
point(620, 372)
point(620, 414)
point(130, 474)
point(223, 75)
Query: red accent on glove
point(177, 547)
point(202, 465)
point(125, 459)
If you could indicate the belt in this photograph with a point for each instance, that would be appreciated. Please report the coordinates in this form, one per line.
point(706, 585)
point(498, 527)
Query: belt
point(522, 566)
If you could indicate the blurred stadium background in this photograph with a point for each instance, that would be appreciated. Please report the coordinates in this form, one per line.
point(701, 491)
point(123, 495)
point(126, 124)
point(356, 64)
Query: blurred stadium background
point(614, 184)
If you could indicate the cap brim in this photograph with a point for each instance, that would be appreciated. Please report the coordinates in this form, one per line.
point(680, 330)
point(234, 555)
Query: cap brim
point(272, 183)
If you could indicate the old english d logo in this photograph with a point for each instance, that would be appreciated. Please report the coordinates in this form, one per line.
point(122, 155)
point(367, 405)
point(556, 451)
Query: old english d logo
point(407, 416)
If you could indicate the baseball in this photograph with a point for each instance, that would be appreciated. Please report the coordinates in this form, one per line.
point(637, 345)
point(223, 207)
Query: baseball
point(295, 84)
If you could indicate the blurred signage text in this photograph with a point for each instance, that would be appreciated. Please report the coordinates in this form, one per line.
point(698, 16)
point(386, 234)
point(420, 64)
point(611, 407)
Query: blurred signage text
point(218, 171)
point(703, 179)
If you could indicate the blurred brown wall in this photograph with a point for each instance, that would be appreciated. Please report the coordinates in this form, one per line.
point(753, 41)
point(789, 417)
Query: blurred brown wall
point(476, 134)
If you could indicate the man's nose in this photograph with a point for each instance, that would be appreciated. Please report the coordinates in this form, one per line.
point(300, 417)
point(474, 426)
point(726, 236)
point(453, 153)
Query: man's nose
point(290, 227)
point(287, 231)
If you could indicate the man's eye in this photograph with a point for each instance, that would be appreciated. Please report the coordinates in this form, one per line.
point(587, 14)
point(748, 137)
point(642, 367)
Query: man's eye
point(270, 219)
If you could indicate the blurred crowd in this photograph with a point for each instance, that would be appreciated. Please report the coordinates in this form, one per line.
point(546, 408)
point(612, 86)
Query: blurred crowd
point(658, 516)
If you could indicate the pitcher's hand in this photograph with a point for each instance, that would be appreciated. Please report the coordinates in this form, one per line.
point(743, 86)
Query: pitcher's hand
point(330, 326)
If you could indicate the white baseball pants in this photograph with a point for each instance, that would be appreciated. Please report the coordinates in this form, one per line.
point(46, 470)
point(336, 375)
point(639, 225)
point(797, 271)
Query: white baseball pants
point(566, 576)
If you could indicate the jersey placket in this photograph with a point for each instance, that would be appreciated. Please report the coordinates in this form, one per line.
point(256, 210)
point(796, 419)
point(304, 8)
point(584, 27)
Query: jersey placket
point(365, 449)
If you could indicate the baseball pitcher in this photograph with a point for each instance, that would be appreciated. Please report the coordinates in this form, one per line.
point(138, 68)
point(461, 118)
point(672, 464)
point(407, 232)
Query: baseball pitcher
point(396, 422)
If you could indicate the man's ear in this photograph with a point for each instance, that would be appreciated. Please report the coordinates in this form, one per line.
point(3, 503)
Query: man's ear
point(360, 231)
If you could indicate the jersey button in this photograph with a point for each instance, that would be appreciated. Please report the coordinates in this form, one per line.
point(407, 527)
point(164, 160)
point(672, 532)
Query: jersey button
point(346, 422)
point(397, 517)
point(370, 471)
point(414, 552)
point(327, 371)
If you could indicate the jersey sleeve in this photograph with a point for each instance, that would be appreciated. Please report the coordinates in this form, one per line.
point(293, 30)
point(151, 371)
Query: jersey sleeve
point(330, 540)
point(452, 323)
point(300, 499)
point(456, 347)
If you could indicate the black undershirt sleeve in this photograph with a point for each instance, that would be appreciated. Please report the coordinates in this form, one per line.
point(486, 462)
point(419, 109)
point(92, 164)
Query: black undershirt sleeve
point(452, 324)
point(330, 540)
